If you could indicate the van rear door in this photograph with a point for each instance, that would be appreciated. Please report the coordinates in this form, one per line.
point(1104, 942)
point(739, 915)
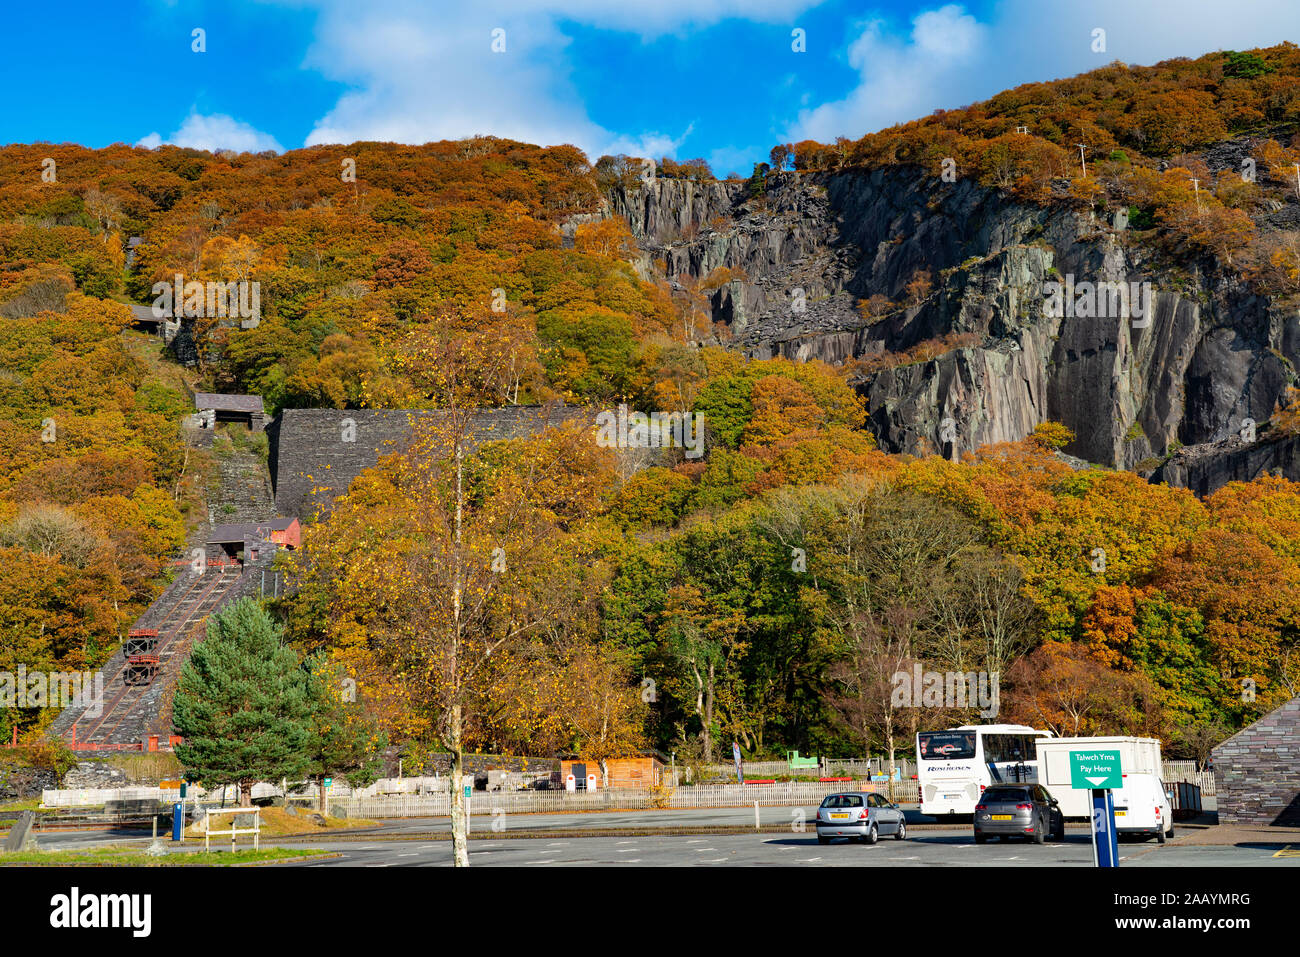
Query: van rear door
point(1136, 802)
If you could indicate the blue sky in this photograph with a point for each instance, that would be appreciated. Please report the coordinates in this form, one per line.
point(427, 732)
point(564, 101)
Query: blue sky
point(684, 78)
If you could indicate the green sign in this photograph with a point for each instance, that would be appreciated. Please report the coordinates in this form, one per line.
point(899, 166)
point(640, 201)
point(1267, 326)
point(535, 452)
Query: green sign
point(329, 782)
point(1095, 769)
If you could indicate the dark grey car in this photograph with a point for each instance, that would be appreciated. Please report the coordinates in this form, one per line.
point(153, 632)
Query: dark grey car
point(1019, 810)
point(859, 815)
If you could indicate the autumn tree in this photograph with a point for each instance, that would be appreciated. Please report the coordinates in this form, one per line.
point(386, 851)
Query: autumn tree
point(919, 286)
point(1068, 691)
point(780, 155)
point(459, 557)
point(600, 706)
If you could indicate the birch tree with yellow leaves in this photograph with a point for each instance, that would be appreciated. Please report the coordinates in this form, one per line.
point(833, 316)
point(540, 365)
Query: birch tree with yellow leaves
point(434, 575)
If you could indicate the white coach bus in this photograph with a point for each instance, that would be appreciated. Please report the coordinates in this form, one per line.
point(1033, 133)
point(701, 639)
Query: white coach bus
point(953, 767)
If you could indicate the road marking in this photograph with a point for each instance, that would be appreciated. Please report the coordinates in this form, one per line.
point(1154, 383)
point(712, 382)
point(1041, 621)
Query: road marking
point(810, 860)
point(557, 844)
point(626, 850)
point(703, 849)
point(904, 858)
point(1288, 851)
point(714, 860)
point(412, 854)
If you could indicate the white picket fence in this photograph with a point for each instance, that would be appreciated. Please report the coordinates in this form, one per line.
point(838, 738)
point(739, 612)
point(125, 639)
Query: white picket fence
point(838, 767)
point(430, 796)
point(94, 797)
point(1186, 771)
point(781, 794)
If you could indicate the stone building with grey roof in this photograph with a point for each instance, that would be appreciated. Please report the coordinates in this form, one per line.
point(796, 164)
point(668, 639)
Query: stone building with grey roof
point(216, 407)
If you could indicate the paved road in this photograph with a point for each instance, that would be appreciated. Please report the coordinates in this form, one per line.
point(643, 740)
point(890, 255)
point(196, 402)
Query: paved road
point(403, 843)
point(483, 823)
point(941, 847)
point(945, 848)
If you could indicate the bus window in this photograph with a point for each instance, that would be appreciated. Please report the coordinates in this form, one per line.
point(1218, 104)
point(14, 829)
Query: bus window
point(1008, 748)
point(952, 745)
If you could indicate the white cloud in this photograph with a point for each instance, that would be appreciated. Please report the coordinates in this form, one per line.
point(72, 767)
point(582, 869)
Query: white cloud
point(214, 132)
point(420, 72)
point(731, 159)
point(946, 58)
point(416, 71)
point(653, 145)
point(900, 76)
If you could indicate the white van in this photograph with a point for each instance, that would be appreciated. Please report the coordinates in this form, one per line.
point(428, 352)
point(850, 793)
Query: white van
point(1142, 806)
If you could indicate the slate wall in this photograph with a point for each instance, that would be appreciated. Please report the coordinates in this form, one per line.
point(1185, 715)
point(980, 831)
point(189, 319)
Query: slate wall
point(311, 464)
point(1257, 771)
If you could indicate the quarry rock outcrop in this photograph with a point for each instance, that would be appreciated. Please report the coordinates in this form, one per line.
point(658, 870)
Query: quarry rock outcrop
point(980, 350)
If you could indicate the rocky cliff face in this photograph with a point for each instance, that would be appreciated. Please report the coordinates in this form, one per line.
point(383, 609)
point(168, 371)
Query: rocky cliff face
point(1134, 388)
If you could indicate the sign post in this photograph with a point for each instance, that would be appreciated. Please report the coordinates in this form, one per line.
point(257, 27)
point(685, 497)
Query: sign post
point(1105, 841)
point(1099, 772)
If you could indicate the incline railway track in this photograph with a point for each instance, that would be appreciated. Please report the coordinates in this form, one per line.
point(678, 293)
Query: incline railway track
point(201, 595)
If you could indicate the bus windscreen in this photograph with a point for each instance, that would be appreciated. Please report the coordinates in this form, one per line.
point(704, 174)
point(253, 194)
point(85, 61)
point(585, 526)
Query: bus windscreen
point(952, 745)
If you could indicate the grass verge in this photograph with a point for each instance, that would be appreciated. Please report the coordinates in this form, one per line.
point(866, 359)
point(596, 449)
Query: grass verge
point(117, 857)
point(279, 822)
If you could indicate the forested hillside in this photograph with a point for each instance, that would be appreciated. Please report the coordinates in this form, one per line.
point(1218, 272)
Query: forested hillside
point(767, 592)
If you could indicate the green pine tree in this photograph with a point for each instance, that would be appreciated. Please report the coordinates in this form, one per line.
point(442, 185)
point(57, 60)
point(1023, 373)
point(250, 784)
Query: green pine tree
point(244, 704)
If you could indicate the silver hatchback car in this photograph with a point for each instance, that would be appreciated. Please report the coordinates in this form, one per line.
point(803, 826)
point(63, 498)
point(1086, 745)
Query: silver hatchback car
point(860, 815)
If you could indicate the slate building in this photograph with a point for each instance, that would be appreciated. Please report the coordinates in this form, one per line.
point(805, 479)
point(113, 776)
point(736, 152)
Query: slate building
point(251, 541)
point(213, 407)
point(1257, 771)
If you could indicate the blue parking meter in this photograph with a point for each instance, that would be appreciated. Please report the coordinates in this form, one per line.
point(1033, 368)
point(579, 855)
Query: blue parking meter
point(178, 821)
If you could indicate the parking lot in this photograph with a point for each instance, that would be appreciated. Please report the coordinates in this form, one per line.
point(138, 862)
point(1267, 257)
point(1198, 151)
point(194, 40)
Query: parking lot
point(934, 848)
